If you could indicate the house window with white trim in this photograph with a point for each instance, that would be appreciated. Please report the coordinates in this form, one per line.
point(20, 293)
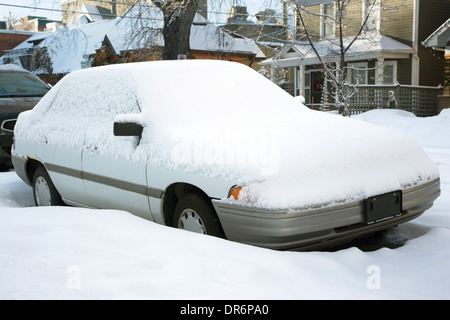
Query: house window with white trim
point(390, 72)
point(357, 73)
point(371, 11)
point(328, 25)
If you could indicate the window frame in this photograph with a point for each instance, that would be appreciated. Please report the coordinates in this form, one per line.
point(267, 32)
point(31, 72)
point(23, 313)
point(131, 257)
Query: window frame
point(358, 65)
point(324, 20)
point(394, 71)
point(376, 11)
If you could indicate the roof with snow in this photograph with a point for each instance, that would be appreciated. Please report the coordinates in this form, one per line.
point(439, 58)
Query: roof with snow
point(440, 37)
point(372, 46)
point(95, 13)
point(70, 46)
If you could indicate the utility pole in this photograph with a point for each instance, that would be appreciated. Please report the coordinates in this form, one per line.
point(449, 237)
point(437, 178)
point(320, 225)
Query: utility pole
point(285, 18)
point(10, 22)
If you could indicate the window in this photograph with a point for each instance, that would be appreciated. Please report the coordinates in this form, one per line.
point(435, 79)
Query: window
point(328, 20)
point(357, 73)
point(371, 8)
point(390, 72)
point(21, 84)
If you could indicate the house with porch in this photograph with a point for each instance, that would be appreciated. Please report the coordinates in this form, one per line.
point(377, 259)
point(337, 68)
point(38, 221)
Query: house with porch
point(387, 54)
point(439, 41)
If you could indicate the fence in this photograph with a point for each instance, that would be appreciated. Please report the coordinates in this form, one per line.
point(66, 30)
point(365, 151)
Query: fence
point(422, 101)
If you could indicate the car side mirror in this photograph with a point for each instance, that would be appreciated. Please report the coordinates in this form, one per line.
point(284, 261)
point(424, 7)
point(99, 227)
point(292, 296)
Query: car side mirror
point(127, 129)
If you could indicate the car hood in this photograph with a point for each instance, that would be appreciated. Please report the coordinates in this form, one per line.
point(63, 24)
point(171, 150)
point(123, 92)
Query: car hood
point(299, 159)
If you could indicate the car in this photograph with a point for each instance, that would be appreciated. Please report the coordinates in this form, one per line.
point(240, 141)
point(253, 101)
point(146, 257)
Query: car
point(20, 90)
point(215, 148)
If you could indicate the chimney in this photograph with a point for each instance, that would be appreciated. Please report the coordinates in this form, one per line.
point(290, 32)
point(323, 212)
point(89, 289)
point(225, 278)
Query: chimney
point(237, 14)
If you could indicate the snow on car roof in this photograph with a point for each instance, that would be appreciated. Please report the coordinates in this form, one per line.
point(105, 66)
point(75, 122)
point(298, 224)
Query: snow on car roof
point(222, 120)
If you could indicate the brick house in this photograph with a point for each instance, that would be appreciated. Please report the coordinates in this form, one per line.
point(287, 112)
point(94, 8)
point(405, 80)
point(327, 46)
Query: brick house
point(10, 39)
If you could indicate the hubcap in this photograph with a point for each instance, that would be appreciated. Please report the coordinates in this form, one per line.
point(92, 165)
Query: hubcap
point(191, 221)
point(42, 192)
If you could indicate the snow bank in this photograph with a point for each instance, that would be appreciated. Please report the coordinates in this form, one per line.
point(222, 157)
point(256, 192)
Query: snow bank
point(70, 253)
point(417, 128)
point(225, 121)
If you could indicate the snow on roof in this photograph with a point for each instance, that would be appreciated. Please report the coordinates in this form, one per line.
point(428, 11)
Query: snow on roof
point(369, 47)
point(204, 35)
point(70, 46)
point(440, 37)
point(93, 13)
point(211, 38)
point(140, 17)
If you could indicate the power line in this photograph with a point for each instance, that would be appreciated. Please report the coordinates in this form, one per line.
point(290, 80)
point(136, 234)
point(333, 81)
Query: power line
point(103, 15)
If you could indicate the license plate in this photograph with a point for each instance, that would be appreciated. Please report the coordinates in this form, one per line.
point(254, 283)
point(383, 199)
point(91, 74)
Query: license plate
point(382, 207)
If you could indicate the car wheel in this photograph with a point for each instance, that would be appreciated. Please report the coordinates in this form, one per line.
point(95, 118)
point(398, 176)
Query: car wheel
point(195, 213)
point(44, 192)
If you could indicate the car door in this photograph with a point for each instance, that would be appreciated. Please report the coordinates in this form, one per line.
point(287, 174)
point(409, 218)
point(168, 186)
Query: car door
point(64, 167)
point(114, 175)
point(59, 143)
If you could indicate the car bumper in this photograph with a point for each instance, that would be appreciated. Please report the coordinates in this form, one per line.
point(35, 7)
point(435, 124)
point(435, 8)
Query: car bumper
point(20, 166)
point(318, 228)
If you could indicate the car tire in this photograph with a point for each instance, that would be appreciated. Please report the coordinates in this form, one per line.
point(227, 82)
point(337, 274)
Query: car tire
point(194, 212)
point(44, 192)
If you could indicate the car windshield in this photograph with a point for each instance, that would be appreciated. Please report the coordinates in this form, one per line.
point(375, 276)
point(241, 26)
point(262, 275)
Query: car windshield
point(21, 84)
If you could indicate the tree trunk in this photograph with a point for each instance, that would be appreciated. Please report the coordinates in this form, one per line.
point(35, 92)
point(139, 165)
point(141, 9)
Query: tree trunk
point(178, 18)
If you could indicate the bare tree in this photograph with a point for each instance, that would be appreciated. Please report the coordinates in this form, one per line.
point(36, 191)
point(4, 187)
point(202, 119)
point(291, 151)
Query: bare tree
point(346, 30)
point(178, 17)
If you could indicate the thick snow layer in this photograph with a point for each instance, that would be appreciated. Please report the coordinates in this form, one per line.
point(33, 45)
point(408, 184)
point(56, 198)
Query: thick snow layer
point(225, 121)
point(70, 253)
point(68, 48)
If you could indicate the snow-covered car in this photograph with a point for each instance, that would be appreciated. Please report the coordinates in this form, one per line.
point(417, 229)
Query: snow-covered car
point(214, 147)
point(20, 90)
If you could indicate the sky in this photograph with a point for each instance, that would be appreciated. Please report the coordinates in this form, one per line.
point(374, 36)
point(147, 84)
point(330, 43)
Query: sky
point(253, 6)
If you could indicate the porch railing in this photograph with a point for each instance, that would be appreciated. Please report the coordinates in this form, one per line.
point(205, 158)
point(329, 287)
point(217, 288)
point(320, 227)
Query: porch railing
point(420, 100)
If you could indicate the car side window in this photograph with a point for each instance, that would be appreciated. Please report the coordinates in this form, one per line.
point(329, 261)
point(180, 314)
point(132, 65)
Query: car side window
point(71, 116)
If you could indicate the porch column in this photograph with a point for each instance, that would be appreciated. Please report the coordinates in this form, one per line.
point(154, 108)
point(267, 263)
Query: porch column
point(302, 80)
point(296, 82)
point(379, 73)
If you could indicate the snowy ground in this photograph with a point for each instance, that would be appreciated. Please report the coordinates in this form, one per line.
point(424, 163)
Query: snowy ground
point(72, 253)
